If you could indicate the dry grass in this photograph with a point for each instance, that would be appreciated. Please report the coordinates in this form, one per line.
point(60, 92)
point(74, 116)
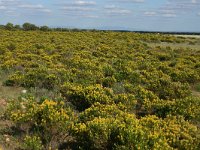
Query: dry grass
point(196, 89)
point(7, 142)
point(9, 92)
point(195, 93)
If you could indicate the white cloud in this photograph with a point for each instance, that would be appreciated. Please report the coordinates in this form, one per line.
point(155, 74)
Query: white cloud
point(84, 3)
point(9, 2)
point(183, 5)
point(2, 7)
point(169, 15)
point(82, 15)
point(194, 1)
point(45, 10)
point(77, 3)
point(21, 7)
point(78, 7)
point(12, 13)
point(37, 7)
point(75, 8)
point(131, 1)
point(119, 11)
point(150, 13)
point(114, 10)
point(161, 13)
point(110, 7)
point(90, 16)
point(28, 6)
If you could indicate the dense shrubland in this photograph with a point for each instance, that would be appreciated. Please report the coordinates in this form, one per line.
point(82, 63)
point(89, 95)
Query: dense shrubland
point(111, 90)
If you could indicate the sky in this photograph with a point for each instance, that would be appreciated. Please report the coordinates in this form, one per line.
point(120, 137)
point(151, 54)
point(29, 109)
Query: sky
point(140, 15)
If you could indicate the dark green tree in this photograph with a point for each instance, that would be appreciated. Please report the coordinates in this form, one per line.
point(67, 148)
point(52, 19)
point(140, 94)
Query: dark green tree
point(17, 27)
point(44, 28)
point(28, 26)
point(9, 26)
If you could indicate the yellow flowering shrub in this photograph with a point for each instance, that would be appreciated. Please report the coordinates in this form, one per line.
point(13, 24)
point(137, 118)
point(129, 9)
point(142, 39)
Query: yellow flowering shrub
point(172, 130)
point(103, 111)
point(47, 114)
point(187, 107)
point(83, 97)
point(122, 86)
point(48, 119)
point(150, 132)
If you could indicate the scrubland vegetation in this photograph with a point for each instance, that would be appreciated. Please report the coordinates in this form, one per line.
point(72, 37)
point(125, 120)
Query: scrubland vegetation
point(99, 90)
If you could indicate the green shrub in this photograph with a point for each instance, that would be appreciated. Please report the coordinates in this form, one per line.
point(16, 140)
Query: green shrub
point(32, 143)
point(108, 81)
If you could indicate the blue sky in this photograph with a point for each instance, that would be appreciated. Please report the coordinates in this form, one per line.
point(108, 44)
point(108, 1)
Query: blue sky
point(151, 15)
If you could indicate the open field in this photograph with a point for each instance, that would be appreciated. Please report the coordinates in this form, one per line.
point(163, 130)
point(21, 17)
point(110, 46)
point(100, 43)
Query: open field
point(193, 42)
point(189, 36)
point(99, 90)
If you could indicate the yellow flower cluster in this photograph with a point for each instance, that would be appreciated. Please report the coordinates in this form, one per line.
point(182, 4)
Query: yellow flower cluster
point(48, 113)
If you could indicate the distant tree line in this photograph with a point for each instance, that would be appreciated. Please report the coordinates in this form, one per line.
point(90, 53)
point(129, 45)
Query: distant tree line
point(32, 27)
point(26, 26)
